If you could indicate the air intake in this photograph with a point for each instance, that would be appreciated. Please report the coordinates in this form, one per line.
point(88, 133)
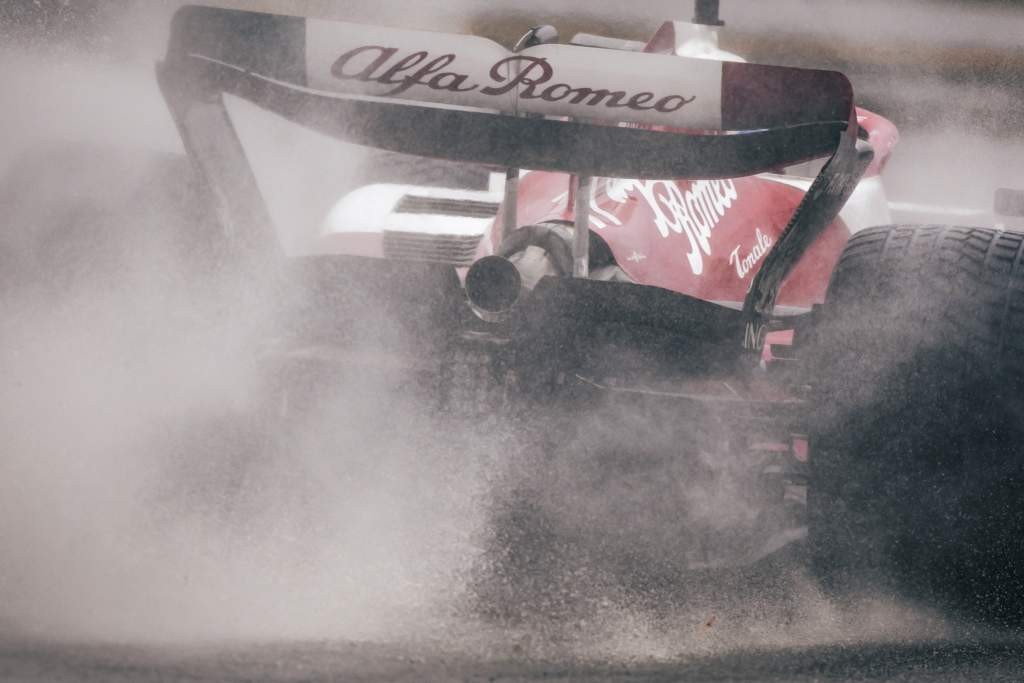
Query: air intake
point(463, 208)
point(455, 250)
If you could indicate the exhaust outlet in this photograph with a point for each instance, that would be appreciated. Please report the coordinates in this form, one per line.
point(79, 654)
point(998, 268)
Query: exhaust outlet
point(496, 284)
point(493, 287)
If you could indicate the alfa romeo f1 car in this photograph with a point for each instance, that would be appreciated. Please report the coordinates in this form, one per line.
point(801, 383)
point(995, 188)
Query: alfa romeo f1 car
point(694, 277)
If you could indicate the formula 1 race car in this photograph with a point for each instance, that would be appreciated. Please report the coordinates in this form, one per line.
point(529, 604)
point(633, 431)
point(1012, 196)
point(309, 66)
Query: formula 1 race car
point(691, 307)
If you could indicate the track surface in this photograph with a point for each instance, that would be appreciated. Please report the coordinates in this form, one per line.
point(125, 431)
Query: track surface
point(998, 660)
point(884, 643)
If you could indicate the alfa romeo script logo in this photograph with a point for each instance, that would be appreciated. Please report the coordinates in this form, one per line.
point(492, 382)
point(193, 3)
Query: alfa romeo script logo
point(532, 77)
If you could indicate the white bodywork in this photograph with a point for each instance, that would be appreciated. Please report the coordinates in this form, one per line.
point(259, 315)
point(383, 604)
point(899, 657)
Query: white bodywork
point(373, 209)
point(698, 41)
point(464, 71)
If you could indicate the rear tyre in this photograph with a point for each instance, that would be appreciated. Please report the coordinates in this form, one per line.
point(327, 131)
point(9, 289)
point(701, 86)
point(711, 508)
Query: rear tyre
point(917, 359)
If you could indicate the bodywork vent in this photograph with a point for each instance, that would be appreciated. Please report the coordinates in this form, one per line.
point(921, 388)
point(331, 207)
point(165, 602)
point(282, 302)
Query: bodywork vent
point(456, 250)
point(466, 208)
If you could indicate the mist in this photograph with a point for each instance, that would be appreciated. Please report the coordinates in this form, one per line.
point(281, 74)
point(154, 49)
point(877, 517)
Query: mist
point(139, 502)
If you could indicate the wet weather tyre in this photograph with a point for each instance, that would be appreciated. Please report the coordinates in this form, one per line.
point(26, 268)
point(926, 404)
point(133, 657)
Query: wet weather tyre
point(916, 362)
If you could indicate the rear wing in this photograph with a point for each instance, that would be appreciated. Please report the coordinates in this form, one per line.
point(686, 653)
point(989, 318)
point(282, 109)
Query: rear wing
point(559, 108)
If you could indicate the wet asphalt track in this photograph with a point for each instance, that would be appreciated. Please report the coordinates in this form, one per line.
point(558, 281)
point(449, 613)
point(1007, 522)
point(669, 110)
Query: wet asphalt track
point(875, 649)
point(935, 661)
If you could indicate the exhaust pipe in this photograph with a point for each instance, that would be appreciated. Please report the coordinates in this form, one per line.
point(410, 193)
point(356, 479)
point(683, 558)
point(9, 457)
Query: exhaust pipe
point(493, 287)
point(495, 284)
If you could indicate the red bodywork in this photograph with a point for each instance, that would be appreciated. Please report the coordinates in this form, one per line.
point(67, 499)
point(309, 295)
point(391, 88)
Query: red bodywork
point(701, 238)
point(698, 237)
